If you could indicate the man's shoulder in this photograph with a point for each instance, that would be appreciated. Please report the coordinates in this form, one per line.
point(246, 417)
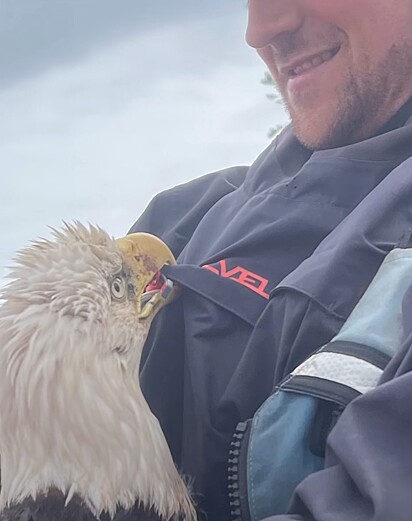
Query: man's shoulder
point(174, 214)
point(214, 184)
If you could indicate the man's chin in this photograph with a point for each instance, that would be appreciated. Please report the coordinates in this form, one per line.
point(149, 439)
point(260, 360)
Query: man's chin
point(317, 134)
point(311, 138)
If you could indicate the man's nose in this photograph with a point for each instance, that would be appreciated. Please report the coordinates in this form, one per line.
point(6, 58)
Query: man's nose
point(269, 18)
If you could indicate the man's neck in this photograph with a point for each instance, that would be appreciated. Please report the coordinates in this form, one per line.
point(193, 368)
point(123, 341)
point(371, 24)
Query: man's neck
point(399, 119)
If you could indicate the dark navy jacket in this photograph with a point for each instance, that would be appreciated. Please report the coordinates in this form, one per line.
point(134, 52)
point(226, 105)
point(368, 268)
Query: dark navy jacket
point(272, 259)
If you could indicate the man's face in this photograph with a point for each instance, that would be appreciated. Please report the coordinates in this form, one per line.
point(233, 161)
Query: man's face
point(343, 67)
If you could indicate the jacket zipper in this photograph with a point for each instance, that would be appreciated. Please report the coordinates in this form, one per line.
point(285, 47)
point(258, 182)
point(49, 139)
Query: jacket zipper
point(237, 473)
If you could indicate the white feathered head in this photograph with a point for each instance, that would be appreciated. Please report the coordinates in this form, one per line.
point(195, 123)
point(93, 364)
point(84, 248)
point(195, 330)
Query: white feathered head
point(72, 328)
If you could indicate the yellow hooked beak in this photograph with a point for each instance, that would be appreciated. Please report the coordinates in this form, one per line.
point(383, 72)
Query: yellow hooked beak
point(145, 255)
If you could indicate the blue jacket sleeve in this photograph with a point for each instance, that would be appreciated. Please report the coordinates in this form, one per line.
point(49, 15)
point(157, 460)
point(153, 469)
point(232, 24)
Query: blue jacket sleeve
point(368, 467)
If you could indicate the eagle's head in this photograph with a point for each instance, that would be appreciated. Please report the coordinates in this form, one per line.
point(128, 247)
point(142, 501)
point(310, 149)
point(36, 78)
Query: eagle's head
point(73, 323)
point(90, 291)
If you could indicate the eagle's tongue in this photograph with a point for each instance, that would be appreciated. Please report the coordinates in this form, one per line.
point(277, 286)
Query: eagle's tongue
point(156, 284)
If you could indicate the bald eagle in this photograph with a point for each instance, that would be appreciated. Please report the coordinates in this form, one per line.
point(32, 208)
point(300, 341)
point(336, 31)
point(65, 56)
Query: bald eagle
point(78, 441)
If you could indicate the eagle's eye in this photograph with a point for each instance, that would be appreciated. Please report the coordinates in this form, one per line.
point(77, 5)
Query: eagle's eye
point(118, 288)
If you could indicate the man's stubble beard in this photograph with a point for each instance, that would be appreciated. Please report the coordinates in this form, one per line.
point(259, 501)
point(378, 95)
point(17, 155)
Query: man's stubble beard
point(362, 108)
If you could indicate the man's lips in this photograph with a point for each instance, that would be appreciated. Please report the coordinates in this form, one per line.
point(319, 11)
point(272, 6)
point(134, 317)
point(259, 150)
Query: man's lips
point(302, 64)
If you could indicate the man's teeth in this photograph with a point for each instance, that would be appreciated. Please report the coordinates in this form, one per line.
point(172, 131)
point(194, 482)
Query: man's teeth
point(313, 62)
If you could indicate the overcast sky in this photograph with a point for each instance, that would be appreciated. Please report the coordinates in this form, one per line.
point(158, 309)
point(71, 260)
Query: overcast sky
point(104, 103)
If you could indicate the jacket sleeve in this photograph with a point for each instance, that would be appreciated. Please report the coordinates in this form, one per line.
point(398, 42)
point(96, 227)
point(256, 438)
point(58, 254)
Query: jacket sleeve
point(174, 214)
point(368, 467)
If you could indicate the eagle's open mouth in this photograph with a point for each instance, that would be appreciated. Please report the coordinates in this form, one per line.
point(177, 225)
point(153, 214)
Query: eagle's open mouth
point(155, 293)
point(157, 283)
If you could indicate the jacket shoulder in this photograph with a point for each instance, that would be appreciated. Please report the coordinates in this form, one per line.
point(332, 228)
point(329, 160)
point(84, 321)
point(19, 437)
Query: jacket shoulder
point(174, 214)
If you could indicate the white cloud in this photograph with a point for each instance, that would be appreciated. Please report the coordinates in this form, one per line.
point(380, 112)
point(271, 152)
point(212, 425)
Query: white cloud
point(95, 140)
